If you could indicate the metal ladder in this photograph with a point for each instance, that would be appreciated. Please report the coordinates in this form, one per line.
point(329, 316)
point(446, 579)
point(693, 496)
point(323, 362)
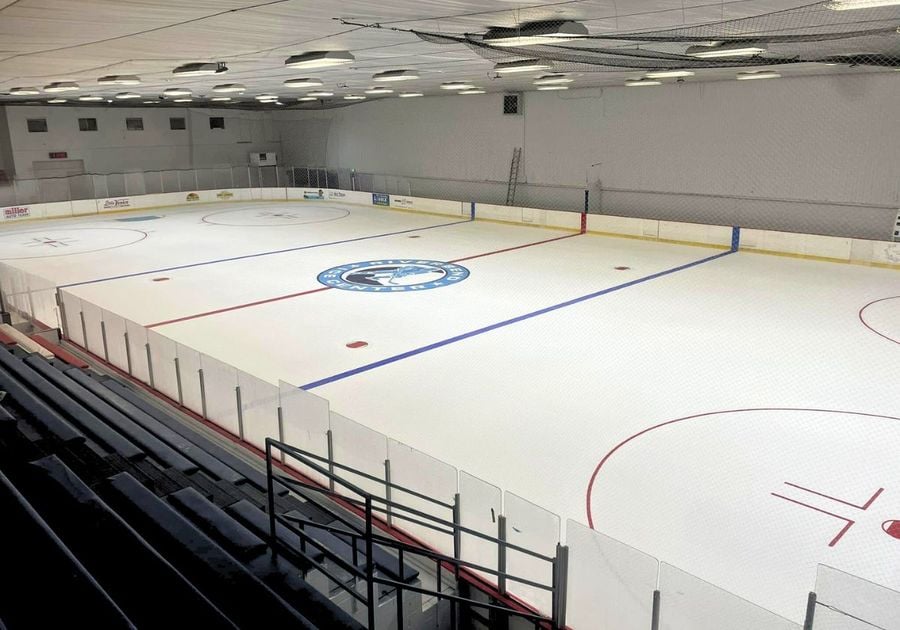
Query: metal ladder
point(513, 176)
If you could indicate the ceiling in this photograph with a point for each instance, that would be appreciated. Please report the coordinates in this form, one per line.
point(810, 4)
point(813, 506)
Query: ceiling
point(42, 41)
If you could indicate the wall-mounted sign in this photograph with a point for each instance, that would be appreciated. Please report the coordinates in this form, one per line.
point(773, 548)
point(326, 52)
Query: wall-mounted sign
point(58, 155)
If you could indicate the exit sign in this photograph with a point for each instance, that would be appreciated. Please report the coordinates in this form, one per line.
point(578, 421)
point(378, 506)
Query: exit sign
point(58, 155)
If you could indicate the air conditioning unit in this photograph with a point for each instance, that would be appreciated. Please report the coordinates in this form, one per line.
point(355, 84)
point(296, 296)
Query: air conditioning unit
point(264, 159)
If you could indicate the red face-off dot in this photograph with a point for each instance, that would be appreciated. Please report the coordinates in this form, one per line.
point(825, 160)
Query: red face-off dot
point(892, 528)
point(163, 279)
point(357, 344)
point(621, 268)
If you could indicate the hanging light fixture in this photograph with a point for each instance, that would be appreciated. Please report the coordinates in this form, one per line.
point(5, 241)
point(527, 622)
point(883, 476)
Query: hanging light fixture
point(57, 101)
point(24, 91)
point(379, 90)
point(525, 65)
point(226, 88)
point(410, 94)
point(354, 97)
point(552, 79)
point(120, 79)
point(548, 88)
point(457, 85)
point(303, 83)
point(727, 49)
point(533, 33)
point(471, 91)
point(395, 75)
point(759, 74)
point(90, 98)
point(61, 86)
point(642, 82)
point(125, 96)
point(200, 69)
point(669, 74)
point(319, 59)
point(176, 92)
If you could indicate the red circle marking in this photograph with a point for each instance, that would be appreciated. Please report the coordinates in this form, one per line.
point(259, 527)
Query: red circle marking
point(357, 344)
point(621, 268)
point(866, 324)
point(415, 236)
point(892, 528)
point(590, 487)
point(163, 279)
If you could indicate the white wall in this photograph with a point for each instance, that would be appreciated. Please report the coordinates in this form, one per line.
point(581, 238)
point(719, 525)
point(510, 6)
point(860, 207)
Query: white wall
point(113, 149)
point(815, 154)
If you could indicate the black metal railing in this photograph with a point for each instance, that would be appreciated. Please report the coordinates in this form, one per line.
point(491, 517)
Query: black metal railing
point(371, 507)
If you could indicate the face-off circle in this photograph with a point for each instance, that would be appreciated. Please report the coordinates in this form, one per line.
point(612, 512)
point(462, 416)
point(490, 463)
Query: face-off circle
point(393, 275)
point(53, 242)
point(882, 317)
point(274, 216)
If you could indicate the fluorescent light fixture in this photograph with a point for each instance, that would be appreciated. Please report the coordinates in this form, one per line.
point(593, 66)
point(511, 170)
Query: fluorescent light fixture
point(266, 97)
point(669, 74)
point(847, 5)
point(410, 94)
point(200, 69)
point(227, 88)
point(125, 96)
point(24, 91)
point(395, 75)
point(457, 85)
point(379, 90)
point(183, 100)
point(472, 91)
point(61, 86)
point(759, 74)
point(642, 82)
point(525, 65)
point(220, 99)
point(307, 98)
point(547, 88)
point(738, 49)
point(303, 83)
point(533, 33)
point(319, 59)
point(320, 93)
point(176, 92)
point(277, 102)
point(91, 98)
point(354, 97)
point(151, 102)
point(120, 79)
point(552, 79)
point(57, 101)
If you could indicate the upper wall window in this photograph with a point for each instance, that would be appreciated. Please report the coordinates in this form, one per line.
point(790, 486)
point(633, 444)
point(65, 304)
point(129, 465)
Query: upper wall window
point(177, 123)
point(134, 124)
point(37, 125)
point(87, 124)
point(216, 122)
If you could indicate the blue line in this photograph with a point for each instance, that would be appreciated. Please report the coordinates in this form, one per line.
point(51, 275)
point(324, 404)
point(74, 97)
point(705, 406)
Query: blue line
point(508, 322)
point(244, 257)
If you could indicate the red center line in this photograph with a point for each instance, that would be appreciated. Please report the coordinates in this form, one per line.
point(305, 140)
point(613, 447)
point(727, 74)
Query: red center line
point(320, 289)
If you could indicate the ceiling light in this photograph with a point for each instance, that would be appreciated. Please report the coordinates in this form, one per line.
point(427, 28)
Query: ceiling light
point(307, 98)
point(151, 102)
point(266, 97)
point(61, 86)
point(57, 101)
point(124, 96)
point(120, 79)
point(183, 100)
point(552, 79)
point(320, 93)
point(759, 74)
point(176, 92)
point(220, 99)
point(641, 82)
point(410, 94)
point(472, 91)
point(90, 98)
point(669, 74)
point(277, 102)
point(395, 75)
point(525, 65)
point(379, 90)
point(354, 97)
point(200, 69)
point(303, 83)
point(456, 85)
point(846, 5)
point(24, 91)
point(738, 49)
point(547, 88)
point(319, 59)
point(534, 33)
point(227, 88)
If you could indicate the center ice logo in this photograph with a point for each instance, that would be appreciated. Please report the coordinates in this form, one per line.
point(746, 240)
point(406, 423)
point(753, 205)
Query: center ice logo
point(393, 275)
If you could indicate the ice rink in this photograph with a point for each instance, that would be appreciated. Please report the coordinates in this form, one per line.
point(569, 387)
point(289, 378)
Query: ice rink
point(734, 414)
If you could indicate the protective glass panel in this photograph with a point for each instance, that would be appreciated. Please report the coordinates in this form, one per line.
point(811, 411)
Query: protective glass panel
point(189, 371)
point(220, 381)
point(480, 504)
point(259, 409)
point(610, 584)
point(362, 449)
point(162, 363)
point(856, 599)
point(117, 354)
point(137, 350)
point(306, 420)
point(689, 603)
point(828, 619)
point(431, 477)
point(92, 328)
point(72, 310)
point(535, 529)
